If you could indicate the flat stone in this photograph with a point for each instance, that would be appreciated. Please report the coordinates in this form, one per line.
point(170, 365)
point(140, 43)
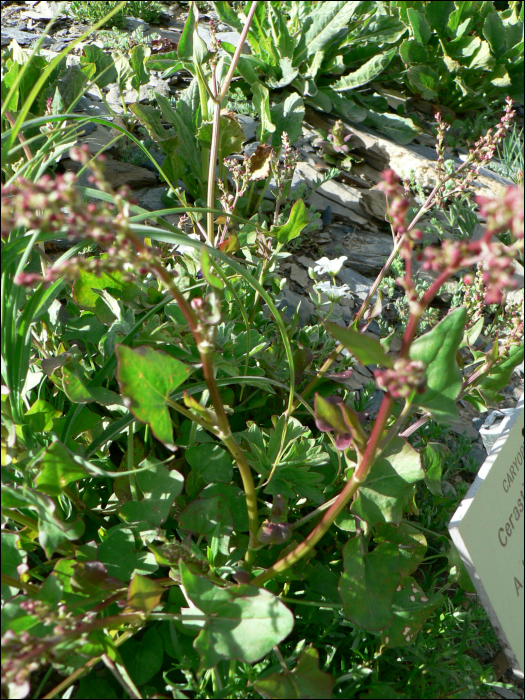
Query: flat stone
point(98, 140)
point(365, 249)
point(465, 429)
point(150, 199)
point(291, 301)
point(45, 10)
point(23, 38)
point(358, 283)
point(298, 275)
point(143, 95)
point(116, 174)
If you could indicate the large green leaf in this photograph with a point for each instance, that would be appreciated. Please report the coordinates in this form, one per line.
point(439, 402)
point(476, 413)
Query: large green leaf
point(327, 19)
point(234, 499)
point(150, 118)
point(401, 129)
point(410, 608)
point(113, 282)
point(202, 516)
point(231, 135)
point(305, 681)
point(58, 470)
point(261, 103)
point(420, 27)
point(240, 622)
point(122, 556)
point(438, 349)
point(494, 33)
point(160, 487)
point(411, 543)
point(105, 72)
point(12, 557)
point(424, 80)
point(228, 15)
point(78, 392)
point(499, 376)
point(390, 484)
point(287, 116)
point(147, 377)
point(143, 660)
point(297, 220)
point(365, 349)
point(368, 583)
point(211, 462)
point(367, 72)
point(140, 72)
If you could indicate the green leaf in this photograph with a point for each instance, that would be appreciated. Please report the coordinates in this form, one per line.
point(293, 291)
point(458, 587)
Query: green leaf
point(494, 33)
point(207, 270)
point(52, 529)
point(419, 24)
point(121, 556)
point(144, 594)
point(41, 416)
point(390, 484)
point(86, 327)
point(86, 298)
point(424, 80)
point(105, 71)
point(402, 130)
point(150, 118)
point(305, 681)
point(185, 48)
point(141, 74)
point(368, 583)
point(411, 608)
point(143, 660)
point(12, 557)
point(367, 350)
point(202, 516)
point(287, 116)
point(412, 52)
point(160, 487)
point(231, 135)
point(147, 377)
point(228, 15)
point(328, 19)
point(411, 544)
point(234, 500)
point(58, 470)
point(437, 15)
point(433, 457)
point(211, 462)
point(77, 392)
point(458, 573)
point(367, 72)
point(499, 376)
point(437, 349)
point(288, 75)
point(240, 622)
point(297, 220)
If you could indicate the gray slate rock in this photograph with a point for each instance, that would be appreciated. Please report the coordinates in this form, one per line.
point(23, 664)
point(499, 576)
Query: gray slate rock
point(358, 283)
point(23, 38)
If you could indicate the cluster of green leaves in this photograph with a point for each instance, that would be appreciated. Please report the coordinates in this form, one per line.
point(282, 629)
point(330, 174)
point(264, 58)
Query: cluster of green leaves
point(91, 12)
point(126, 531)
point(459, 55)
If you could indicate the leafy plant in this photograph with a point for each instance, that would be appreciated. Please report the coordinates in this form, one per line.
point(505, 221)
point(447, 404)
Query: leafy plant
point(169, 471)
point(91, 12)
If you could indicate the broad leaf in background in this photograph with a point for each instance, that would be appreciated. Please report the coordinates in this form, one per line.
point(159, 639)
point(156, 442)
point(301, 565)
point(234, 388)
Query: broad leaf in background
point(147, 377)
point(12, 557)
point(86, 298)
point(365, 349)
point(231, 135)
point(328, 19)
point(437, 349)
point(211, 462)
point(287, 116)
point(201, 516)
point(160, 488)
point(411, 544)
point(144, 594)
point(368, 583)
point(297, 220)
point(411, 608)
point(370, 70)
point(433, 456)
point(261, 103)
point(122, 555)
point(58, 470)
point(305, 681)
point(143, 660)
point(390, 484)
point(499, 376)
point(240, 622)
point(52, 530)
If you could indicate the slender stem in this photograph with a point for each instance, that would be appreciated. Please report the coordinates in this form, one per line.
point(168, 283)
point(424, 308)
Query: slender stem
point(344, 497)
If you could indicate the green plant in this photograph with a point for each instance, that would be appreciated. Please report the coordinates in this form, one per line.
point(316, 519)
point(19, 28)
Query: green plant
point(167, 473)
point(91, 12)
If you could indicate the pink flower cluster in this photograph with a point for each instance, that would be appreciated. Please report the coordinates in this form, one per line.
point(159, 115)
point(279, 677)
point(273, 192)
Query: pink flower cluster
point(403, 378)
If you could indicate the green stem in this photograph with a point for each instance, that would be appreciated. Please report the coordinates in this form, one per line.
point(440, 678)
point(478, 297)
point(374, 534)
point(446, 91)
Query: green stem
point(131, 465)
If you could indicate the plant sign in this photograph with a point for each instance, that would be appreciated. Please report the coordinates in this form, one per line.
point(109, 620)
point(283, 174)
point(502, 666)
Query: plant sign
point(488, 533)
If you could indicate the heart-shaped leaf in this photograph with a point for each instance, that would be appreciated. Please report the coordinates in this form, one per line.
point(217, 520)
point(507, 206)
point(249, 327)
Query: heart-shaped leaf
point(410, 608)
point(368, 583)
point(297, 220)
point(305, 681)
point(437, 349)
point(160, 488)
point(147, 377)
point(240, 622)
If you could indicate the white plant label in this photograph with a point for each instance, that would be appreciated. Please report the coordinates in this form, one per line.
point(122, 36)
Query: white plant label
point(487, 530)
